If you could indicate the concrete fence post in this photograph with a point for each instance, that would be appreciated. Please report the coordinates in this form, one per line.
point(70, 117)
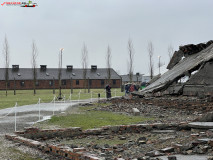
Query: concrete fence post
point(71, 98)
point(39, 112)
point(54, 106)
point(91, 96)
point(15, 115)
point(79, 95)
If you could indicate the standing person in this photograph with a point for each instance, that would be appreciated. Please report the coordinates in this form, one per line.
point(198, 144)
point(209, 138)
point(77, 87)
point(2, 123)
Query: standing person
point(132, 88)
point(108, 91)
point(126, 89)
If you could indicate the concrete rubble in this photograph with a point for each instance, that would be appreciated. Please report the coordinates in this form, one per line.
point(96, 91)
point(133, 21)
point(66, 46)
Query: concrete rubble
point(168, 135)
point(190, 73)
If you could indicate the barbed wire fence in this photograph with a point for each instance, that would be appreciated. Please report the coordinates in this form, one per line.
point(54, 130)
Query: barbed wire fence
point(70, 101)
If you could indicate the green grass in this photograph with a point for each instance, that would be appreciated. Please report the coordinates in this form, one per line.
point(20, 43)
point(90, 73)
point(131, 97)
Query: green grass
point(24, 97)
point(94, 119)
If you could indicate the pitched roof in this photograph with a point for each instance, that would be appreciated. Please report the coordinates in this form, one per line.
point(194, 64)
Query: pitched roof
point(50, 73)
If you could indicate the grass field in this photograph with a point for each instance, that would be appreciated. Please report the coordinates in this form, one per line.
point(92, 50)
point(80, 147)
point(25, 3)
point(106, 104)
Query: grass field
point(24, 97)
point(87, 118)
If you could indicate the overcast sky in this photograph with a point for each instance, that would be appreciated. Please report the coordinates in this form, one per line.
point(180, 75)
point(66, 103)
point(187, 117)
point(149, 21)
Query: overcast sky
point(54, 24)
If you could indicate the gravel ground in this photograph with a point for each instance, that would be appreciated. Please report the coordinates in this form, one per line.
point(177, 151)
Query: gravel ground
point(14, 151)
point(24, 118)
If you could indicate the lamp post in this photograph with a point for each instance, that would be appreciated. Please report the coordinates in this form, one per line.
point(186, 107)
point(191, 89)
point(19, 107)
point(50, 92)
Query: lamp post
point(159, 65)
point(60, 72)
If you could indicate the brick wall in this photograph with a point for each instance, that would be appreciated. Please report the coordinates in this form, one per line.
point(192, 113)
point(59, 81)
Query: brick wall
point(29, 136)
point(44, 84)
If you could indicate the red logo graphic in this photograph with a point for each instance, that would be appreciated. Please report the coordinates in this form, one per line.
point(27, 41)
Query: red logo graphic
point(3, 3)
point(21, 4)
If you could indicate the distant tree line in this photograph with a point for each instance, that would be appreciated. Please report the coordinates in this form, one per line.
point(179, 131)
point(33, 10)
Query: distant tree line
point(84, 62)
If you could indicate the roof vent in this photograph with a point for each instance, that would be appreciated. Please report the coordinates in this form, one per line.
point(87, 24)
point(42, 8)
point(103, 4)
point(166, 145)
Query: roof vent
point(69, 67)
point(19, 74)
point(93, 67)
point(15, 67)
point(47, 74)
point(98, 74)
point(43, 67)
point(73, 74)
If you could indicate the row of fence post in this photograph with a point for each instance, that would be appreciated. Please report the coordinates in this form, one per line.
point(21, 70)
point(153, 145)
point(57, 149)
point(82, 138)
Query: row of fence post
point(54, 101)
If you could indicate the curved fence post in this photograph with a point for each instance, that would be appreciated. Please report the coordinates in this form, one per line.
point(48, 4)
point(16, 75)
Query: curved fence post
point(54, 106)
point(71, 98)
point(39, 112)
point(79, 96)
point(15, 115)
point(91, 96)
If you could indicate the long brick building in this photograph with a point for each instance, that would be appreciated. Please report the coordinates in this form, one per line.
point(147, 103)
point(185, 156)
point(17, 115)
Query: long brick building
point(47, 78)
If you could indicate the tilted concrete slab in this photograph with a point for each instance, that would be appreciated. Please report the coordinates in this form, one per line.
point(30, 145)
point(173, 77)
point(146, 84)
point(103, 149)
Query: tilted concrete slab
point(201, 125)
point(183, 67)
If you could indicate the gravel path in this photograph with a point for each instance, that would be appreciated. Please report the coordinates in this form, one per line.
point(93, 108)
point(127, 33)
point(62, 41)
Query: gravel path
point(26, 116)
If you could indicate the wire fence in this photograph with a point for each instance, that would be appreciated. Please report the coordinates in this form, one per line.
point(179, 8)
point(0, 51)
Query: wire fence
point(70, 100)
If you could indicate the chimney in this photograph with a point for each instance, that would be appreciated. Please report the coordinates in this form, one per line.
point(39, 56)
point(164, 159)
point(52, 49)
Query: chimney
point(15, 67)
point(69, 67)
point(93, 67)
point(43, 67)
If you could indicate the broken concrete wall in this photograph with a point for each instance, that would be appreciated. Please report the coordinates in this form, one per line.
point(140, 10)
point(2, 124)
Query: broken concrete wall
point(201, 83)
point(186, 51)
point(174, 89)
point(203, 77)
point(197, 90)
point(184, 67)
point(177, 56)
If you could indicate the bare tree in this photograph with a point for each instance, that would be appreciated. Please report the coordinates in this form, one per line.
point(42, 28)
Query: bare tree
point(34, 65)
point(84, 63)
point(170, 51)
point(131, 54)
point(60, 72)
point(150, 49)
point(7, 61)
point(160, 64)
point(108, 63)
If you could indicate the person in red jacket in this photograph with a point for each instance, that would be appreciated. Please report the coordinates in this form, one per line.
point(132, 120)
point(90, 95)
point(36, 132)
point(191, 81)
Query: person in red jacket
point(132, 88)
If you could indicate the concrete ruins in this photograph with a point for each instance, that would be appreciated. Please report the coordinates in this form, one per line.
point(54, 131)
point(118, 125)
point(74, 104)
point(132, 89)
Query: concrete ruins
point(190, 73)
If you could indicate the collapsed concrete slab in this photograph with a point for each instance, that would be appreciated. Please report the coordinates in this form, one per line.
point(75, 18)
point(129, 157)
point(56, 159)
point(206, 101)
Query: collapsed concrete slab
point(183, 64)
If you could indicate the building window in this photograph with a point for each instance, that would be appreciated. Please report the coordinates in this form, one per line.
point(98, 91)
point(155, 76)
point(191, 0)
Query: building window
point(37, 83)
point(51, 83)
point(64, 82)
point(8, 84)
point(77, 82)
point(114, 82)
point(22, 83)
point(102, 82)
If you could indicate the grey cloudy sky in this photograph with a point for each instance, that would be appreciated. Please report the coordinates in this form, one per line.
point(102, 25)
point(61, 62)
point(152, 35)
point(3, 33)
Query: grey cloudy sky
point(97, 23)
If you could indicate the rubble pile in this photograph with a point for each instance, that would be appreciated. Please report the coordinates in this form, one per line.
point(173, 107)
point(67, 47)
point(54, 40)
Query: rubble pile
point(170, 133)
point(190, 73)
point(146, 146)
point(164, 109)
